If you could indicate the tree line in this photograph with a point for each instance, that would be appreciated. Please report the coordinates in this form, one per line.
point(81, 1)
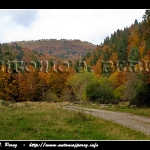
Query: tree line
point(93, 84)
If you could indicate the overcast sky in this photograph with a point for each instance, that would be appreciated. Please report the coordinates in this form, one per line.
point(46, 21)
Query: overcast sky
point(92, 25)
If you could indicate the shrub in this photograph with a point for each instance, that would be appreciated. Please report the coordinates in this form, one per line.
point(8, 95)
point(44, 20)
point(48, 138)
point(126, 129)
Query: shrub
point(5, 103)
point(130, 86)
point(118, 93)
point(51, 97)
point(142, 98)
point(100, 91)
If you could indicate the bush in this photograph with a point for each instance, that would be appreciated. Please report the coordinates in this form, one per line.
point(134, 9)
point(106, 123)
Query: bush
point(51, 97)
point(68, 95)
point(118, 93)
point(5, 103)
point(115, 101)
point(130, 86)
point(100, 91)
point(142, 98)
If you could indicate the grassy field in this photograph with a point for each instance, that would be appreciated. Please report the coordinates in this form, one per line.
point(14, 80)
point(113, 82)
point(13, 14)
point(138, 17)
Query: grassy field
point(44, 121)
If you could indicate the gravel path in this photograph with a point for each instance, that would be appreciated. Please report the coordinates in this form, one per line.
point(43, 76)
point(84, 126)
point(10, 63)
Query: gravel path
point(138, 123)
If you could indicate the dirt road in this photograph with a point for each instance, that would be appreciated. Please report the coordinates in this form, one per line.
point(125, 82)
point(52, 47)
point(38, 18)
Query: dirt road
point(138, 123)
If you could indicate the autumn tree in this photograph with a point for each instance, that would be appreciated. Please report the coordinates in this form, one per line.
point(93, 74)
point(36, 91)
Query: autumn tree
point(75, 89)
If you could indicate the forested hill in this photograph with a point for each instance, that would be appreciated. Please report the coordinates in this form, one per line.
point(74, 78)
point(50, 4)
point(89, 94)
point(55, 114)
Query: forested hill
point(65, 49)
point(13, 51)
point(131, 43)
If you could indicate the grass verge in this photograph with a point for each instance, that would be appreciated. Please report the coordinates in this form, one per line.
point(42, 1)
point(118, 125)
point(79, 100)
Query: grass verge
point(44, 121)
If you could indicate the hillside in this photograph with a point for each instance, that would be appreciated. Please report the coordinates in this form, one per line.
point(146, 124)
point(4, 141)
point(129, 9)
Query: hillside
point(132, 43)
point(65, 49)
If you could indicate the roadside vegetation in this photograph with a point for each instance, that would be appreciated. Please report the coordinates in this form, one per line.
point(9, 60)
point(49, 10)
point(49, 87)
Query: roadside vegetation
point(47, 121)
point(121, 107)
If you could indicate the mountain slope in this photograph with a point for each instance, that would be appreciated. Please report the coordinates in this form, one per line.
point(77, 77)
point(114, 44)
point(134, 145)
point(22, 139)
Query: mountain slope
point(65, 49)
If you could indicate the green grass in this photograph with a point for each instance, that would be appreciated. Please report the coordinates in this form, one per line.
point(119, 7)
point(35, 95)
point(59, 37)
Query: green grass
point(43, 121)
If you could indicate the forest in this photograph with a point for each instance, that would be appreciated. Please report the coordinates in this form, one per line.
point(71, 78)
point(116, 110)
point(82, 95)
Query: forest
point(116, 70)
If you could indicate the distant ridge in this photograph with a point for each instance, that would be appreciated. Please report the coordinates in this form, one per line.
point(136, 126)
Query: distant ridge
point(63, 48)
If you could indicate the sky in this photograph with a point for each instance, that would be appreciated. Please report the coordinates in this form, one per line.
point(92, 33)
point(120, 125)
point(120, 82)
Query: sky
point(92, 25)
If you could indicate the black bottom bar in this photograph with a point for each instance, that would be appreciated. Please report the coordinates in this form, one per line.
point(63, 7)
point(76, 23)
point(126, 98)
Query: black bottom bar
point(73, 144)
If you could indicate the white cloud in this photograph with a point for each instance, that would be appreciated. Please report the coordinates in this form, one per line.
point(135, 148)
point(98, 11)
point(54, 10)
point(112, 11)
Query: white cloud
point(91, 25)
